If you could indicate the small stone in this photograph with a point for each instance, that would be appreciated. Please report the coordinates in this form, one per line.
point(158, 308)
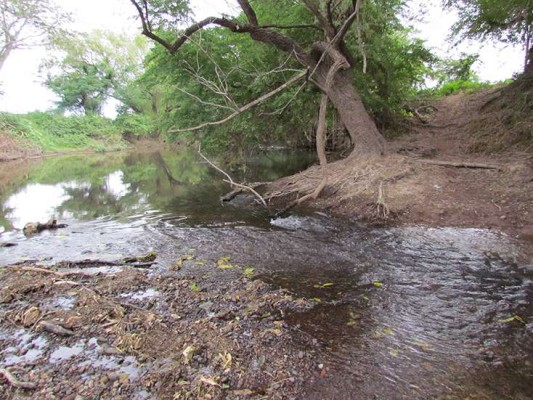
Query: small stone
point(503, 217)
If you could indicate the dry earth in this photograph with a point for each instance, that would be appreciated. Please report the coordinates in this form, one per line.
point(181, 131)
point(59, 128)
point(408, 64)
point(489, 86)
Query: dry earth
point(406, 186)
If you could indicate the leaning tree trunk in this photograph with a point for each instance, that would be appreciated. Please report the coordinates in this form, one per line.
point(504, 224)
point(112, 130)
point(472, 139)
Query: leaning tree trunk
point(364, 134)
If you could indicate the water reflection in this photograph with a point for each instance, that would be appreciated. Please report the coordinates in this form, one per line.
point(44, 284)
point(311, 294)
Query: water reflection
point(112, 196)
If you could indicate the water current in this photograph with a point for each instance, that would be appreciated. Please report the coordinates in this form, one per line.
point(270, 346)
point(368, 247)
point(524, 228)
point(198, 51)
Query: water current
point(401, 313)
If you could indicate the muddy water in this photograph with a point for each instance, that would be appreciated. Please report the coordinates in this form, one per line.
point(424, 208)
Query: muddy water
point(401, 313)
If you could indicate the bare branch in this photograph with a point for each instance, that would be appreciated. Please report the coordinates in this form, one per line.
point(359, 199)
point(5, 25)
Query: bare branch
point(13, 381)
point(231, 181)
point(246, 107)
point(298, 26)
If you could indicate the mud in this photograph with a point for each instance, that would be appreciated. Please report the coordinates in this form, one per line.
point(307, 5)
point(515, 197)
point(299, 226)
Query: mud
point(132, 334)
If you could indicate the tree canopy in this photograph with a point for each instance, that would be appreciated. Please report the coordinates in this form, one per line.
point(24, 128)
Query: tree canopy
point(27, 23)
point(509, 21)
point(92, 67)
point(239, 59)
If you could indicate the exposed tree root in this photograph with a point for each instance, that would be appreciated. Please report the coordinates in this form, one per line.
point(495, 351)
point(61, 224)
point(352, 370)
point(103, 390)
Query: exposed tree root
point(13, 381)
point(461, 164)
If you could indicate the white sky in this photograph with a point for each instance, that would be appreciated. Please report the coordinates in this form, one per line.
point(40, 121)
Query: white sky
point(23, 92)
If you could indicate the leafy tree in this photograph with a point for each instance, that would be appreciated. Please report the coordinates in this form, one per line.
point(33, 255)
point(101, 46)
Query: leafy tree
point(279, 40)
point(93, 67)
point(322, 52)
point(510, 21)
point(27, 23)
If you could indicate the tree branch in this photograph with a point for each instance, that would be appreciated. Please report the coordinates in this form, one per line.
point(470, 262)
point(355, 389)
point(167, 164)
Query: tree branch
point(329, 29)
point(346, 25)
point(246, 107)
point(248, 11)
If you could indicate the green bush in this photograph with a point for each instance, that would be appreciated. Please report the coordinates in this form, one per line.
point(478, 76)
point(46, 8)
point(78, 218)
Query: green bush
point(55, 132)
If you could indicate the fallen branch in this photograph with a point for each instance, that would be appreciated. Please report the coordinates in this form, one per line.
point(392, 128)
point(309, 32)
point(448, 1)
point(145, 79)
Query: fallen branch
point(55, 328)
point(461, 164)
point(234, 193)
point(10, 378)
point(232, 182)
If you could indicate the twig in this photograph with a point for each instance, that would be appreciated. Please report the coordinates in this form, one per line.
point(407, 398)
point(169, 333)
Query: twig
point(15, 382)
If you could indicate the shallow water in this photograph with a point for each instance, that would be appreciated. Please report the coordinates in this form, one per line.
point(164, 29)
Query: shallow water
point(402, 313)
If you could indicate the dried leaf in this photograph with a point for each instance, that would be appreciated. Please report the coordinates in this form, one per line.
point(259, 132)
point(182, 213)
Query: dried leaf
point(323, 285)
point(188, 353)
point(513, 318)
point(209, 381)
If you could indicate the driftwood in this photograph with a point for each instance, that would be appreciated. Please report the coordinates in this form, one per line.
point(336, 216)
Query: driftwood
point(232, 182)
point(55, 328)
point(234, 193)
point(461, 164)
point(13, 381)
point(31, 228)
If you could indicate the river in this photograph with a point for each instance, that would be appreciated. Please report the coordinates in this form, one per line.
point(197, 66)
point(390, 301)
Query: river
point(401, 313)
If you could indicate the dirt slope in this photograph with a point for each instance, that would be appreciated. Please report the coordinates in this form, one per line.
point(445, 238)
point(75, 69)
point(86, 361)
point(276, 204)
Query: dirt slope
point(406, 186)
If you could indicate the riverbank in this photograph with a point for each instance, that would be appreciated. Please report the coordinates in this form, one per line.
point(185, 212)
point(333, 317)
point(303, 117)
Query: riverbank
point(128, 333)
point(431, 177)
point(46, 134)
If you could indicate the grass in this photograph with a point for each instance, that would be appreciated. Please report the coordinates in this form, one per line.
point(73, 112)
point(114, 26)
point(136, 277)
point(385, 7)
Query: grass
point(54, 132)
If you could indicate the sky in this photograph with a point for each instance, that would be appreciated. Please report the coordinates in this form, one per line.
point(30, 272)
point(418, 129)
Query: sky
point(20, 78)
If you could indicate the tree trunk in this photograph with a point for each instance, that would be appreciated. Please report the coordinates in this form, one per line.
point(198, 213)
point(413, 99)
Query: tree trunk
point(365, 136)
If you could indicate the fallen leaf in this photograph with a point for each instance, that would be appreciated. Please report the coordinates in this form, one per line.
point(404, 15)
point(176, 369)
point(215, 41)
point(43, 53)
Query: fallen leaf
point(513, 318)
point(323, 285)
point(249, 272)
point(209, 381)
point(195, 287)
point(188, 353)
point(377, 284)
point(394, 352)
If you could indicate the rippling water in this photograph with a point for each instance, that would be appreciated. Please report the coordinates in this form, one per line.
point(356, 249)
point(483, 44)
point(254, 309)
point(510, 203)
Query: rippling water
point(402, 313)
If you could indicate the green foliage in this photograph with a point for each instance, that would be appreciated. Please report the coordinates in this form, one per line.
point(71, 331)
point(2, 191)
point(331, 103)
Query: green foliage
point(93, 67)
point(54, 132)
point(507, 20)
point(186, 86)
point(28, 23)
point(460, 85)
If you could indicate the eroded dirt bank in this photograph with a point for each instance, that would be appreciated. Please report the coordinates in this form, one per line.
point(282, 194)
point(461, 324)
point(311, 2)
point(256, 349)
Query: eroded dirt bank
point(430, 177)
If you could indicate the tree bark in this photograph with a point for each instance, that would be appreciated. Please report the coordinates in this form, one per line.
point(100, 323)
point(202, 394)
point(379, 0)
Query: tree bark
point(364, 134)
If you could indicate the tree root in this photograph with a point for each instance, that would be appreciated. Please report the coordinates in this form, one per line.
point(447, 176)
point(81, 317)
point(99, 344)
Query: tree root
point(13, 381)
point(462, 164)
point(382, 210)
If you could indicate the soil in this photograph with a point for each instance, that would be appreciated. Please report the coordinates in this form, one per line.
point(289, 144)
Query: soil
point(13, 149)
point(202, 329)
point(406, 187)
